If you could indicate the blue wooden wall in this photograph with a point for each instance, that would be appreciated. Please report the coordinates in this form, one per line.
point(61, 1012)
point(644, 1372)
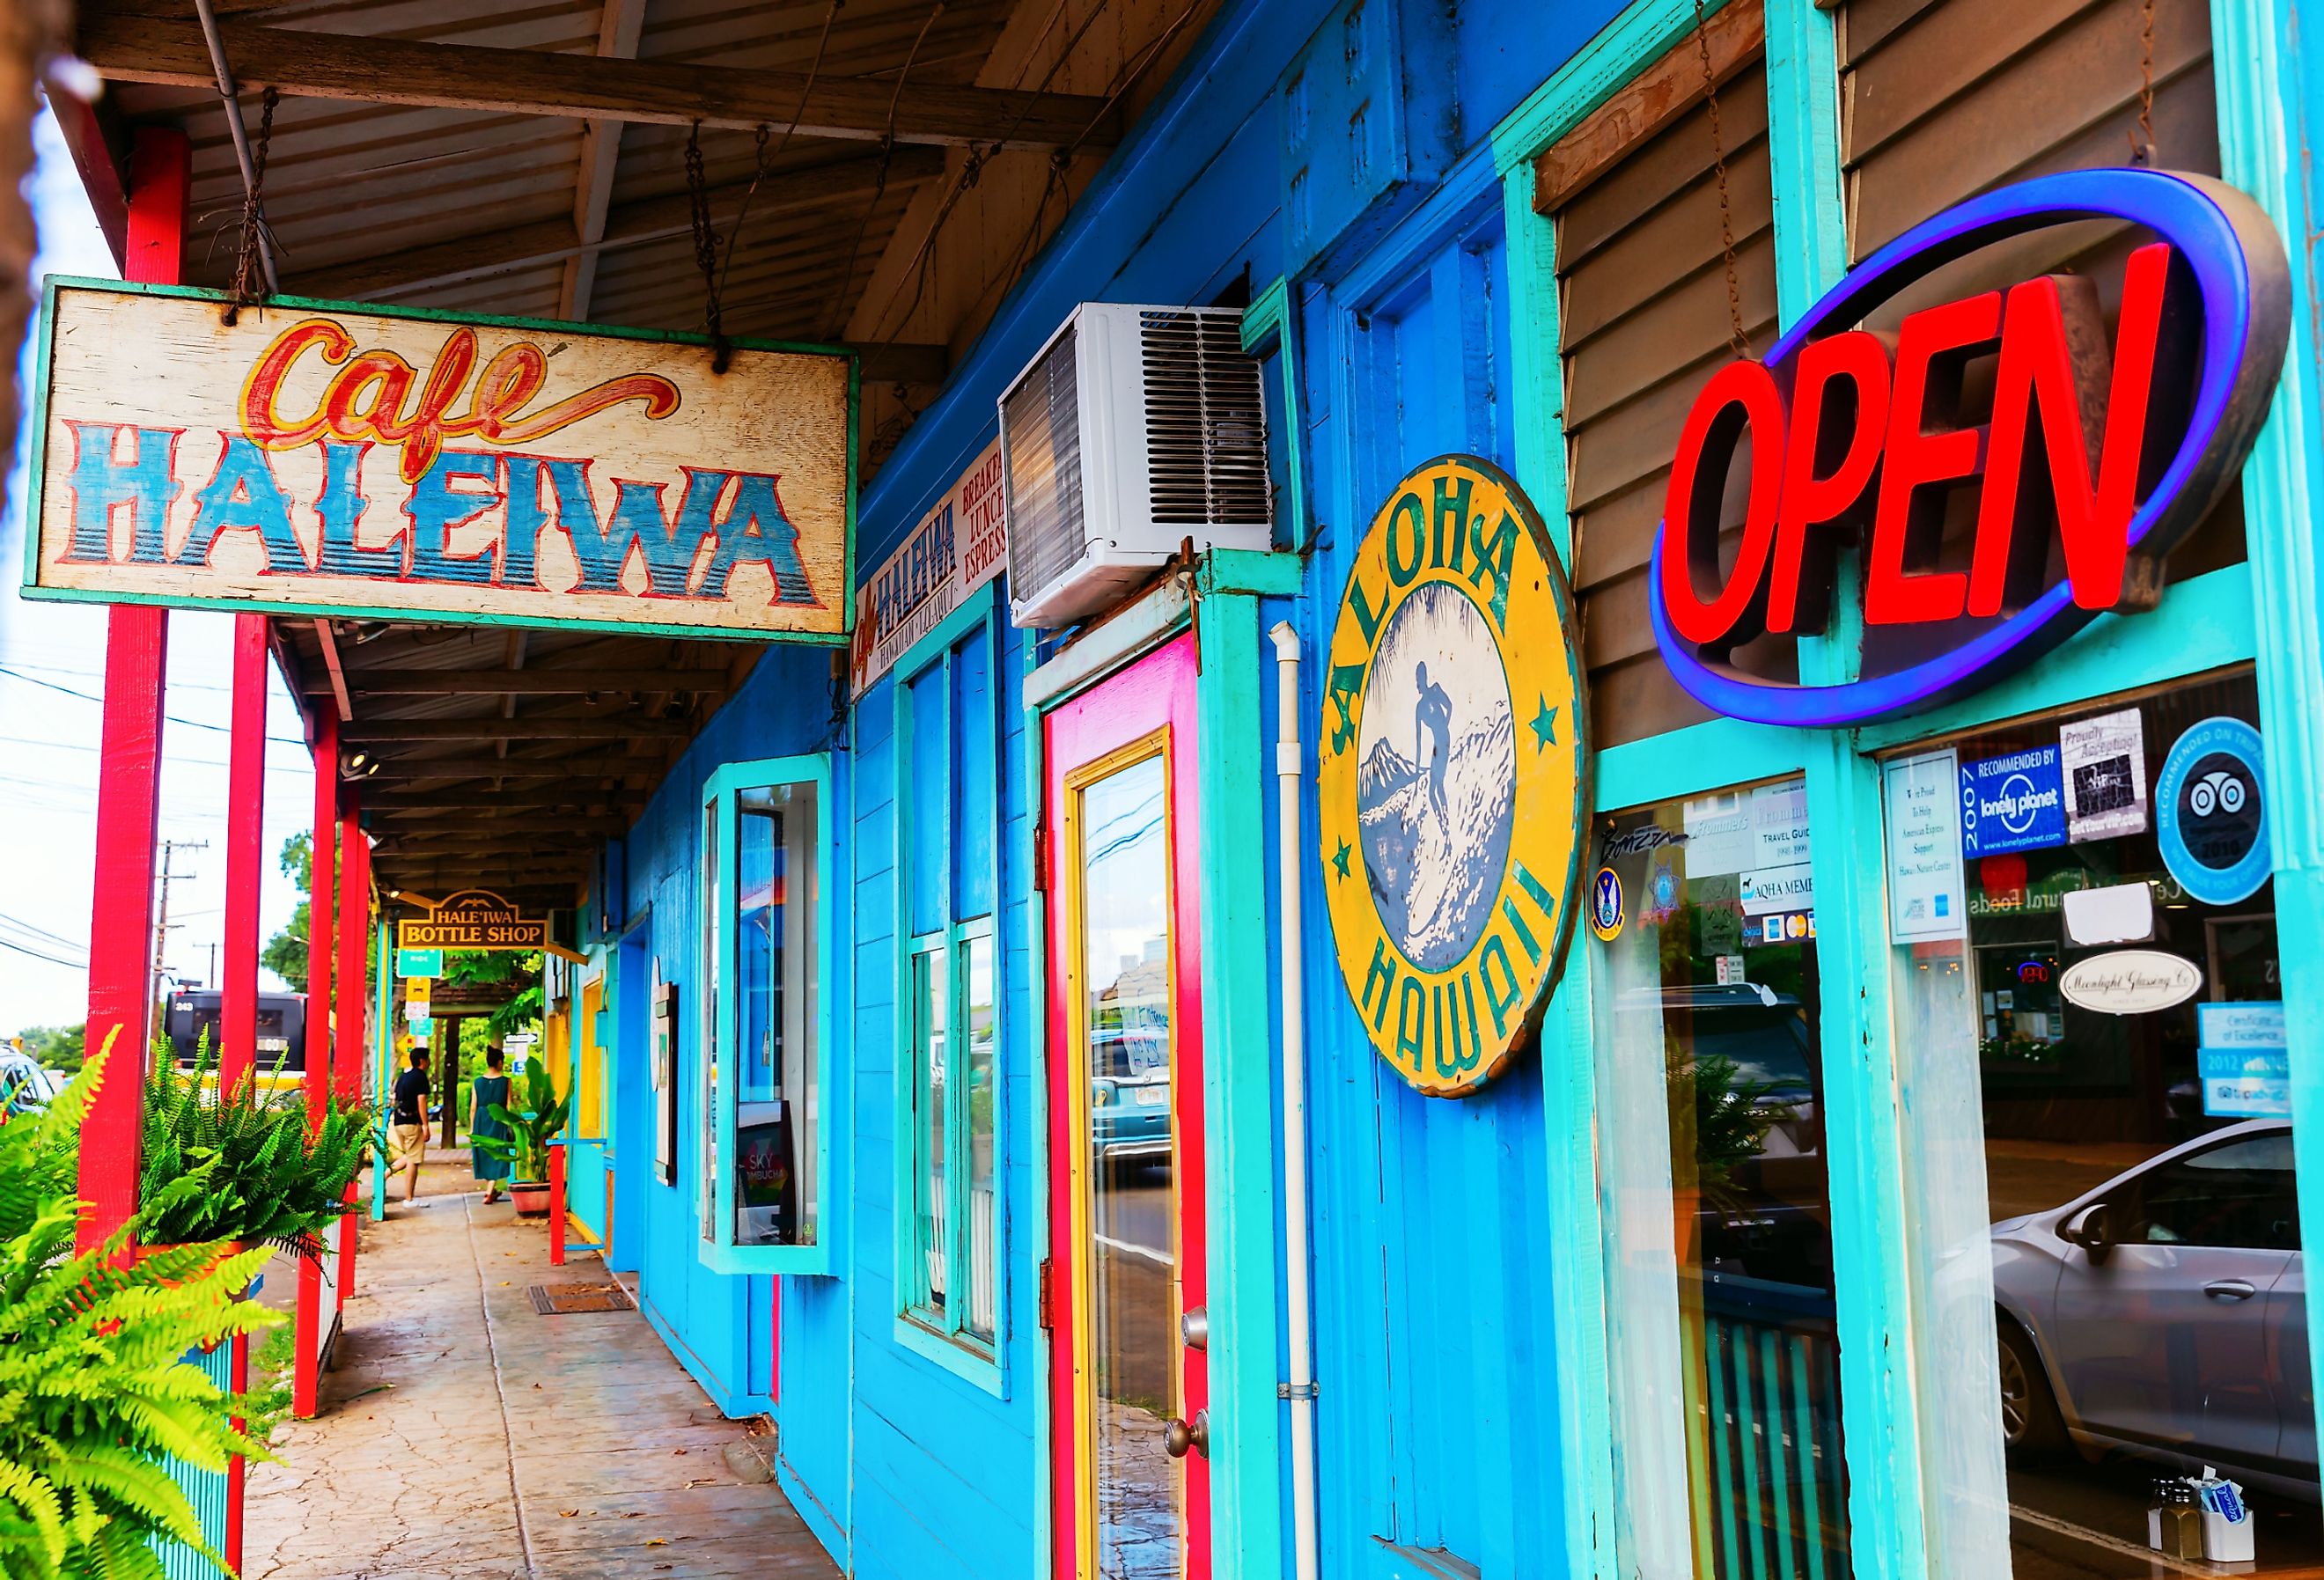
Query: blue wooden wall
point(1433, 1393)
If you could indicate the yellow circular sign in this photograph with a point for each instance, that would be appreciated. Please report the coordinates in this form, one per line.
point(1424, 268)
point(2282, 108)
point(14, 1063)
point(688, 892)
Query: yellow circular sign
point(1454, 778)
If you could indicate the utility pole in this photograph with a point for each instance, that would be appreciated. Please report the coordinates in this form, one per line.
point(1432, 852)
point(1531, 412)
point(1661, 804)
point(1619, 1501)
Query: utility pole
point(169, 848)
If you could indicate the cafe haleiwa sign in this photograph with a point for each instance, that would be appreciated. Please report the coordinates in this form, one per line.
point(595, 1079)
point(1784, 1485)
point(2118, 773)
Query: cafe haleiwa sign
point(1454, 777)
point(2099, 453)
point(474, 918)
point(316, 458)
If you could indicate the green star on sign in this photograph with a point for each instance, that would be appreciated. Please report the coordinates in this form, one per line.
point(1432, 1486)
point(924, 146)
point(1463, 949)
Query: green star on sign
point(1341, 860)
point(1545, 726)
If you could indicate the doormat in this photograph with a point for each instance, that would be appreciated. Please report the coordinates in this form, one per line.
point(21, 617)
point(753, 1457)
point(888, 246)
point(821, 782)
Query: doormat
point(568, 1297)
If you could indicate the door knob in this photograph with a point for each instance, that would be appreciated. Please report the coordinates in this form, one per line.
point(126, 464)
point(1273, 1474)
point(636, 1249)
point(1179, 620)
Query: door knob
point(2229, 1290)
point(1194, 1328)
point(1178, 1437)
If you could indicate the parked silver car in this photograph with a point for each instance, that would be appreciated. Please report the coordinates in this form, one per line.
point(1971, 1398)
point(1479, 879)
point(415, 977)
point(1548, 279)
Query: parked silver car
point(2165, 1314)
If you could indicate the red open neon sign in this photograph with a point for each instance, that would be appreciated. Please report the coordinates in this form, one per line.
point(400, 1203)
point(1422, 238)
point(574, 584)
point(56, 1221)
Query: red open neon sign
point(2112, 444)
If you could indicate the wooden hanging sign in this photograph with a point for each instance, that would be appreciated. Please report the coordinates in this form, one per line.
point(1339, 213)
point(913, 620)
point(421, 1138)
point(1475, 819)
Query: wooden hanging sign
point(319, 458)
point(474, 918)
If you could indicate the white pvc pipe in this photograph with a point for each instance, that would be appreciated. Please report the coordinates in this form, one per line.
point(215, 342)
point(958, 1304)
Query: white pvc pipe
point(1301, 1388)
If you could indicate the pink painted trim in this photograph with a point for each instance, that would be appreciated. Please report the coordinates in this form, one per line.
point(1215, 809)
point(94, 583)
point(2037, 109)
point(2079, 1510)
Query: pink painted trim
point(321, 914)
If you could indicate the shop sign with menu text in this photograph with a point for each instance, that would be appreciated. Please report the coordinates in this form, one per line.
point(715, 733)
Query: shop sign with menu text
point(2104, 446)
point(313, 458)
point(961, 544)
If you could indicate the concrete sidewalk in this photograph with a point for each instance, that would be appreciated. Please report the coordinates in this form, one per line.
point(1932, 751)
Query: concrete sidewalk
point(464, 1435)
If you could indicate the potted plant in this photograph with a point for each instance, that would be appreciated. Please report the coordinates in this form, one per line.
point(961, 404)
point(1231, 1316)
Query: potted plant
point(530, 1131)
point(92, 1365)
point(265, 1173)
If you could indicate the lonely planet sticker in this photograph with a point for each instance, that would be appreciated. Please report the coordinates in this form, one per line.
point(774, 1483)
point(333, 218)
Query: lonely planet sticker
point(2016, 802)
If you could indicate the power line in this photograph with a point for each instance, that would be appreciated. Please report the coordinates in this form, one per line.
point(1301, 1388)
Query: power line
point(51, 959)
point(193, 723)
point(23, 926)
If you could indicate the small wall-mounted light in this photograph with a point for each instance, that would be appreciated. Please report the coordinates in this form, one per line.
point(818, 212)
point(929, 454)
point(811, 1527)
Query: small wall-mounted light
point(356, 761)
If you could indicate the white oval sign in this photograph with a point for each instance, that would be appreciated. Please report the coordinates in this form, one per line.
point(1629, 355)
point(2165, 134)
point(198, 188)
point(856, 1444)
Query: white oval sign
point(2131, 981)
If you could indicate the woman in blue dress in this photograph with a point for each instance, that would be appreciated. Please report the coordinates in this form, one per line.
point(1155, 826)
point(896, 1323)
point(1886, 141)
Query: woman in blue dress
point(486, 1092)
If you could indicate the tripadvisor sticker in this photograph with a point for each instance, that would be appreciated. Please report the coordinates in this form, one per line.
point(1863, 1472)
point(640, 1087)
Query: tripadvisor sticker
point(1453, 779)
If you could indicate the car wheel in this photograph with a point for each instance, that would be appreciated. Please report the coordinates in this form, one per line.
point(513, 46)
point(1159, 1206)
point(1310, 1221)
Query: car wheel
point(2030, 1422)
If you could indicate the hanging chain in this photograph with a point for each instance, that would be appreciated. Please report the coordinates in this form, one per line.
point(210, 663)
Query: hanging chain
point(705, 250)
point(2141, 142)
point(1736, 338)
point(248, 284)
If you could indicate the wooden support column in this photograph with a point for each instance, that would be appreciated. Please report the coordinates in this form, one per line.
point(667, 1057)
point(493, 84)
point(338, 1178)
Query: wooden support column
point(245, 852)
point(321, 913)
point(129, 777)
point(351, 1000)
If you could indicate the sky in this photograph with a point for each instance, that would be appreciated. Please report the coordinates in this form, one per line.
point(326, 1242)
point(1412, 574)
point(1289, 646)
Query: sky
point(51, 677)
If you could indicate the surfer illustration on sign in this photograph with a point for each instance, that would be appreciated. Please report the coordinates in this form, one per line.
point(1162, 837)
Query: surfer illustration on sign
point(1432, 729)
point(1436, 806)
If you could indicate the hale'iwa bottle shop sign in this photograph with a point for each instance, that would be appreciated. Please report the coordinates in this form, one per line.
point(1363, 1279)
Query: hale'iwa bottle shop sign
point(311, 457)
point(474, 918)
point(1455, 775)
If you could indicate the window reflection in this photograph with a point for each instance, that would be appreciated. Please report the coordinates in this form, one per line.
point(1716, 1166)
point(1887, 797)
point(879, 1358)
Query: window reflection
point(2105, 1050)
point(1726, 1364)
point(1131, 1199)
point(776, 1009)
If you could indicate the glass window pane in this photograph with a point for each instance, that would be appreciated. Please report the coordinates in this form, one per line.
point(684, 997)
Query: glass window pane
point(1725, 1360)
point(777, 1109)
point(973, 778)
point(2099, 1157)
point(925, 824)
point(1133, 1248)
point(929, 1124)
point(976, 959)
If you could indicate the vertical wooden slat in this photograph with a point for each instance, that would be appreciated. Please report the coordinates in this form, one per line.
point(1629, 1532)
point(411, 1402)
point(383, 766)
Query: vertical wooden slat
point(129, 781)
point(245, 855)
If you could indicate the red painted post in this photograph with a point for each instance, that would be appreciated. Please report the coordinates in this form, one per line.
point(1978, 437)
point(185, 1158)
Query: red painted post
point(129, 776)
point(246, 853)
point(556, 1202)
point(305, 1377)
point(353, 998)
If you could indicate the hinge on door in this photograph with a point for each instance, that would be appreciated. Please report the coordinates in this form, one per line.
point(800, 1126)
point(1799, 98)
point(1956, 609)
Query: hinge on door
point(1040, 859)
point(1044, 1300)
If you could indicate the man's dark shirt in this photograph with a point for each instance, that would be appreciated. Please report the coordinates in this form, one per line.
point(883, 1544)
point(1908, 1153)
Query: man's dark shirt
point(411, 1086)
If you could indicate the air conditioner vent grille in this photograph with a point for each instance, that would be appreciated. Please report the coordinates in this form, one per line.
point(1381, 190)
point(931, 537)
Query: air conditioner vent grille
point(1205, 419)
point(1040, 420)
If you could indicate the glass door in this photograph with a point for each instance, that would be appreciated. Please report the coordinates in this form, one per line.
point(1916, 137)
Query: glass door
point(1126, 1269)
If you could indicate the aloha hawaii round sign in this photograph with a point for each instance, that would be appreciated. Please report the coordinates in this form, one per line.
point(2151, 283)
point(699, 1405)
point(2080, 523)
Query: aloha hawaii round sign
point(1454, 776)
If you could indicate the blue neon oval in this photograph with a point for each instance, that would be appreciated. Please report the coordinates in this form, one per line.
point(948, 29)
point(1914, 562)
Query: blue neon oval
point(2179, 208)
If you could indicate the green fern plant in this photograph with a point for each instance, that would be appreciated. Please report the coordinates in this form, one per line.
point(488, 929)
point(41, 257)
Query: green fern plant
point(94, 1386)
point(526, 1146)
point(269, 1176)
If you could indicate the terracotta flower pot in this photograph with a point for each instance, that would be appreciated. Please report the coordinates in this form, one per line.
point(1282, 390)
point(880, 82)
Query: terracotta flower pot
point(531, 1199)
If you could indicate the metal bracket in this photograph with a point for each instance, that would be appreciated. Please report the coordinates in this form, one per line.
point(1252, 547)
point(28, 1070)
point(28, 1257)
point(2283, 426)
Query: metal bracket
point(1294, 1391)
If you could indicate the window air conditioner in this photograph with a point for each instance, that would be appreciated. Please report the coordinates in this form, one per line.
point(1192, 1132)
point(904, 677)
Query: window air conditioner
point(1135, 429)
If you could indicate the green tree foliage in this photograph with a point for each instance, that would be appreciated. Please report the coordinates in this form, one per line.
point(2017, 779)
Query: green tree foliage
point(60, 1048)
point(268, 1175)
point(497, 968)
point(285, 953)
point(94, 1387)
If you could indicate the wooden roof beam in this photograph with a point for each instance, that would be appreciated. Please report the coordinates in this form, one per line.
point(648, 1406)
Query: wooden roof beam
point(394, 770)
point(387, 731)
point(631, 224)
point(526, 682)
point(620, 24)
point(127, 47)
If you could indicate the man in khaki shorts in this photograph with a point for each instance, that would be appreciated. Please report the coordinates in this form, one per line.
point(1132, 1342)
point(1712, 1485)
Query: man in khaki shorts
point(409, 1117)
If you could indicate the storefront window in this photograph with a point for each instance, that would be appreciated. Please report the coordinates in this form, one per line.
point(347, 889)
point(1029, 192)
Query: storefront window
point(1710, 1100)
point(948, 1252)
point(765, 856)
point(2100, 1146)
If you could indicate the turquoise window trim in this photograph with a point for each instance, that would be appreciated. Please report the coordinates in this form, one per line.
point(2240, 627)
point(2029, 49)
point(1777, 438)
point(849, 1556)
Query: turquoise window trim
point(1270, 325)
point(939, 1335)
point(1030, 856)
point(719, 799)
point(1700, 758)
